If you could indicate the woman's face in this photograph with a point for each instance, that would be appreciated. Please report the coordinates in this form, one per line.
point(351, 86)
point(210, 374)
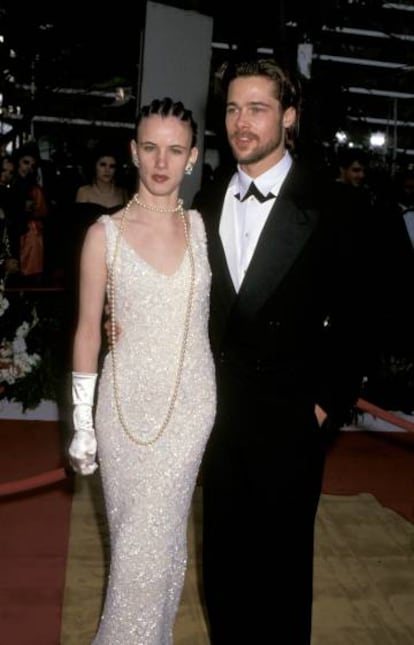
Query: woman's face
point(163, 148)
point(7, 171)
point(105, 169)
point(26, 165)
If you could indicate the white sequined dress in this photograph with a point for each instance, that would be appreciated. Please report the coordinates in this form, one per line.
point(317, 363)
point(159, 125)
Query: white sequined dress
point(148, 488)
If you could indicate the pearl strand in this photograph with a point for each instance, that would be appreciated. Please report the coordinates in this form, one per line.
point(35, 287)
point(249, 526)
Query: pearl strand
point(176, 209)
point(112, 299)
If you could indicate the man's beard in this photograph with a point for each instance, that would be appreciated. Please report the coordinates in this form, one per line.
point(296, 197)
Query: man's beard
point(259, 154)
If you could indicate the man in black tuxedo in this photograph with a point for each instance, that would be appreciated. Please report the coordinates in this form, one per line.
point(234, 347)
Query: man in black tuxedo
point(283, 335)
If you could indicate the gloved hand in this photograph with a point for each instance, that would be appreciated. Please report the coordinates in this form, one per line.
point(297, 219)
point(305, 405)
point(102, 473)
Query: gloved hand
point(82, 449)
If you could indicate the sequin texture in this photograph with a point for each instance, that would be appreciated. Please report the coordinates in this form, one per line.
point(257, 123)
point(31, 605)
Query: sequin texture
point(148, 489)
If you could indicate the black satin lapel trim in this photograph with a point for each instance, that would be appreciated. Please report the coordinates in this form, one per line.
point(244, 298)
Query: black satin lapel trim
point(221, 275)
point(283, 237)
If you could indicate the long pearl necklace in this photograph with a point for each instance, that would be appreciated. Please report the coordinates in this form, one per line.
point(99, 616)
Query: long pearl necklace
point(112, 299)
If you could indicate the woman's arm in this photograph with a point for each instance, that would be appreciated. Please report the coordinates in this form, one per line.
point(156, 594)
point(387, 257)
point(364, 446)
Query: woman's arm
point(93, 276)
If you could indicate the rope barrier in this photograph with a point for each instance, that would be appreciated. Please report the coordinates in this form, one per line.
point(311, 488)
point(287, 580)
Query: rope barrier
point(31, 483)
point(61, 474)
point(366, 406)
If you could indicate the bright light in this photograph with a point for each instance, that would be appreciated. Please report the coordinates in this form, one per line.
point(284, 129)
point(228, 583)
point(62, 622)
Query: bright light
point(341, 136)
point(377, 140)
point(5, 128)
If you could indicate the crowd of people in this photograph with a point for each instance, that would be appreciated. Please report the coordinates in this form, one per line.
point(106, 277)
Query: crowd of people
point(240, 331)
point(43, 216)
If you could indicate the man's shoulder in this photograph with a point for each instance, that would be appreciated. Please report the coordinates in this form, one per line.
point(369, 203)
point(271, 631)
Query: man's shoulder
point(306, 184)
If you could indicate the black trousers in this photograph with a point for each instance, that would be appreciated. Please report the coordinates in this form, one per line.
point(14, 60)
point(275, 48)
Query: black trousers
point(261, 488)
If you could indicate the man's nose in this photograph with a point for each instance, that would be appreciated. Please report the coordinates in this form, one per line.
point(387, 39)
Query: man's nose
point(242, 117)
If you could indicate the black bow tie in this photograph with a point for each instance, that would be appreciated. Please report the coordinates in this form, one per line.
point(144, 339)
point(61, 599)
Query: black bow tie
point(253, 190)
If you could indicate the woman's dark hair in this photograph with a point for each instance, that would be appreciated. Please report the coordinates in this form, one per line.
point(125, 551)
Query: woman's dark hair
point(29, 149)
point(102, 149)
point(167, 107)
point(347, 156)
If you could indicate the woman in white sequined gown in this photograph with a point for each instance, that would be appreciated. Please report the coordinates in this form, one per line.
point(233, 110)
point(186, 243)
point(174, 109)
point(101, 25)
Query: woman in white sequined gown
point(156, 394)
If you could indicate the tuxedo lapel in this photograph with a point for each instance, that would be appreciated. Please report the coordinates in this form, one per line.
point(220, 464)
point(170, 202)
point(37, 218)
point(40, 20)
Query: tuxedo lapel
point(220, 267)
point(285, 233)
point(289, 226)
point(222, 280)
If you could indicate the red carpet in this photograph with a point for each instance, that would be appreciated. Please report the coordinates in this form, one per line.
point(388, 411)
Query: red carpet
point(33, 536)
point(380, 463)
point(34, 525)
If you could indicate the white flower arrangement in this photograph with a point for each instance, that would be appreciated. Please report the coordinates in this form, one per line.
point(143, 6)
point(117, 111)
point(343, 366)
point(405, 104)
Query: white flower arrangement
point(30, 348)
point(15, 361)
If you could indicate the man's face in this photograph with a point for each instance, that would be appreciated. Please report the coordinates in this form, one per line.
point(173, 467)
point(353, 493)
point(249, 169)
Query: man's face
point(255, 123)
point(353, 174)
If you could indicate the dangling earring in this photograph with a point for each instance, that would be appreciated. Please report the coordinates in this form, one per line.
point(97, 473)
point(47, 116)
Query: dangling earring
point(189, 169)
point(135, 161)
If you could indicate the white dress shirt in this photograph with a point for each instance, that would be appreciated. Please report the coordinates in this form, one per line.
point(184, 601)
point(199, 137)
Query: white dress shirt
point(241, 222)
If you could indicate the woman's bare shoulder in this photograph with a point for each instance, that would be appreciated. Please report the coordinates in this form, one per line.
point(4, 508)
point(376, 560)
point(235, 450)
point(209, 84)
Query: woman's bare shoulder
point(83, 193)
point(96, 232)
point(196, 218)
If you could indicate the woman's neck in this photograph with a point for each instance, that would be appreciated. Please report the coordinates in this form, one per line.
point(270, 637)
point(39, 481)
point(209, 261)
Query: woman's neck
point(104, 187)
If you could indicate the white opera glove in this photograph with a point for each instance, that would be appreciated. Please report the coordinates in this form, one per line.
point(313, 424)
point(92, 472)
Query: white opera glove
point(82, 449)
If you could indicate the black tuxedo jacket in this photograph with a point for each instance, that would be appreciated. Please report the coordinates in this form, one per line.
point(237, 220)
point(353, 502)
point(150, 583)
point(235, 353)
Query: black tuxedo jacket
point(292, 331)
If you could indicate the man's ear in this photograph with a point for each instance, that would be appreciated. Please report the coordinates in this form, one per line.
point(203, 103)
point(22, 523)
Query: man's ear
point(289, 117)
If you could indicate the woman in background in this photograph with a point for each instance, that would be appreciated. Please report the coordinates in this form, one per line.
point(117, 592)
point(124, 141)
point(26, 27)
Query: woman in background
point(102, 194)
point(103, 190)
point(28, 209)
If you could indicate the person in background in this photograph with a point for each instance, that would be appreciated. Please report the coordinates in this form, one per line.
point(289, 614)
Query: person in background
point(352, 166)
point(7, 170)
point(103, 193)
point(102, 189)
point(156, 395)
point(354, 199)
point(389, 263)
point(286, 346)
point(8, 264)
point(369, 214)
point(28, 209)
point(405, 200)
